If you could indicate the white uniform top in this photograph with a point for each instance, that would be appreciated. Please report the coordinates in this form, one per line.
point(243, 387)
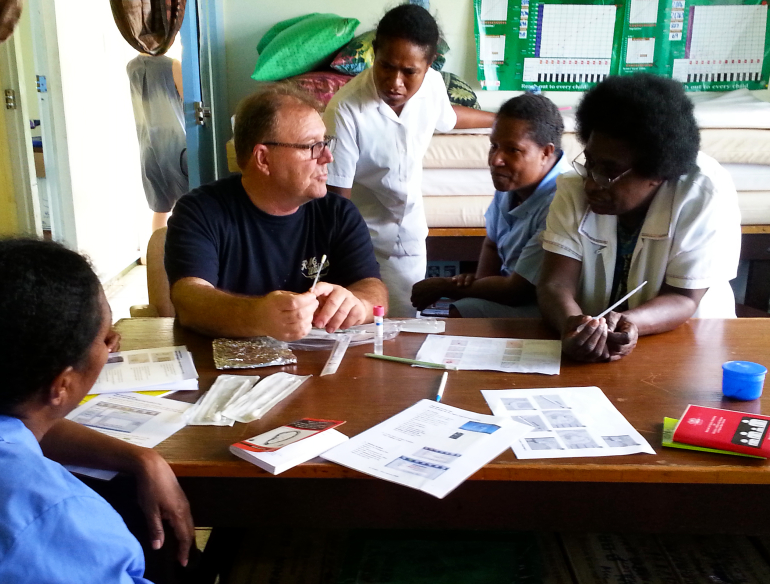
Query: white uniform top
point(690, 238)
point(379, 155)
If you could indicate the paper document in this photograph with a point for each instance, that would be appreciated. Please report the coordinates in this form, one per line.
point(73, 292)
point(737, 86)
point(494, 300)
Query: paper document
point(143, 420)
point(430, 446)
point(169, 368)
point(566, 422)
point(508, 355)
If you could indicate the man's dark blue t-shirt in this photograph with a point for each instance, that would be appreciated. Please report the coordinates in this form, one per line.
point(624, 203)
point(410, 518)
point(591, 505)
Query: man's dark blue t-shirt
point(217, 234)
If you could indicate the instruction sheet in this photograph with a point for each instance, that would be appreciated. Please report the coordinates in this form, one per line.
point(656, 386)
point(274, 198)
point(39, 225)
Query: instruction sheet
point(507, 355)
point(430, 446)
point(143, 420)
point(169, 368)
point(566, 422)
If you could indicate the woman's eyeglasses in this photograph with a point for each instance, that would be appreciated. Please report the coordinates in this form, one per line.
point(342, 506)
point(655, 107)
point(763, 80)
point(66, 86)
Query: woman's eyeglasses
point(603, 181)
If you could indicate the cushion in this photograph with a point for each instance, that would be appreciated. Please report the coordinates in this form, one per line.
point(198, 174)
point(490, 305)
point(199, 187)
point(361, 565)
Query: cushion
point(321, 84)
point(304, 46)
point(279, 27)
point(460, 93)
point(358, 55)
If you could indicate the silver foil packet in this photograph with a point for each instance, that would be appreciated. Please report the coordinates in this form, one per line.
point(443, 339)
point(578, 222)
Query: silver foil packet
point(251, 353)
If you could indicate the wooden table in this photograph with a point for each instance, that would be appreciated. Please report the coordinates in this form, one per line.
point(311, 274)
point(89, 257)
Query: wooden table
point(672, 491)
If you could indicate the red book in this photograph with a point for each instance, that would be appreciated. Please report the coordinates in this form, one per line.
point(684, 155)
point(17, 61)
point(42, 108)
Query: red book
point(724, 429)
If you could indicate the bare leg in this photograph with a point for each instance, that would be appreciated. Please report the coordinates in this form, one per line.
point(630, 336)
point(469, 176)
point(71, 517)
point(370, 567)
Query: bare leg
point(159, 220)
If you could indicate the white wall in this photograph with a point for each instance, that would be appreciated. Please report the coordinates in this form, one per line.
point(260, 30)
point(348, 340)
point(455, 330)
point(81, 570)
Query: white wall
point(110, 210)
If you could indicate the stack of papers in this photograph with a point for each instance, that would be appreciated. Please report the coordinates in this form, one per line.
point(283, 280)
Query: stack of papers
point(139, 419)
point(508, 355)
point(166, 368)
point(430, 446)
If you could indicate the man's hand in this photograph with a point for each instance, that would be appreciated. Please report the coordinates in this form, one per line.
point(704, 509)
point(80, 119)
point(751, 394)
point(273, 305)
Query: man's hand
point(426, 292)
point(585, 339)
point(338, 308)
point(287, 316)
point(622, 336)
point(161, 498)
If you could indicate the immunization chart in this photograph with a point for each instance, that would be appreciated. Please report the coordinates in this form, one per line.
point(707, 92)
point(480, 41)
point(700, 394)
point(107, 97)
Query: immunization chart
point(571, 46)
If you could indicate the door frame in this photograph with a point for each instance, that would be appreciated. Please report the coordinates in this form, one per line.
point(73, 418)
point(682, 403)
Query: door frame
point(19, 139)
point(204, 79)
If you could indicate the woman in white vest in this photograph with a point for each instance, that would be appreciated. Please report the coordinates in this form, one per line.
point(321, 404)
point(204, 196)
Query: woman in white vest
point(643, 205)
point(383, 120)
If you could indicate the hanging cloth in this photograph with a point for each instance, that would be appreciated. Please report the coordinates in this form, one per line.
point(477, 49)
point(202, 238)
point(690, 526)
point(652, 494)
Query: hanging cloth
point(149, 26)
point(10, 12)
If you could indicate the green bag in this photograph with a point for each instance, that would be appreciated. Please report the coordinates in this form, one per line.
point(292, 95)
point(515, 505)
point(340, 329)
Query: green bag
point(303, 46)
point(278, 28)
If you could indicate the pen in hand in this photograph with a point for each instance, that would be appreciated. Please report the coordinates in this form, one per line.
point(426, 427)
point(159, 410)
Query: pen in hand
point(442, 385)
point(318, 273)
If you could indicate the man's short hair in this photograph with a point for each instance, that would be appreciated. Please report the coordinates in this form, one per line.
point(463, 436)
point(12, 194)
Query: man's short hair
point(651, 114)
point(545, 123)
point(50, 313)
point(257, 116)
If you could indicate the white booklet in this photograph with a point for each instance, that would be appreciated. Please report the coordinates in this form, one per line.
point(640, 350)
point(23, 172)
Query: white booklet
point(477, 353)
point(170, 368)
point(566, 422)
point(296, 453)
point(143, 420)
point(430, 446)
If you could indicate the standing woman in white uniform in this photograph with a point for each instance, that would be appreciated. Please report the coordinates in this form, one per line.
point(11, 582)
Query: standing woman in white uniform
point(383, 120)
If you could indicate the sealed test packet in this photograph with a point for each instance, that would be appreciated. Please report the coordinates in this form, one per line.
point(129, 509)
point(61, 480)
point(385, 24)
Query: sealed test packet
point(251, 353)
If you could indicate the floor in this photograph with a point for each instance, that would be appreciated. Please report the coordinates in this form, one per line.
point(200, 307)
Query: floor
point(126, 290)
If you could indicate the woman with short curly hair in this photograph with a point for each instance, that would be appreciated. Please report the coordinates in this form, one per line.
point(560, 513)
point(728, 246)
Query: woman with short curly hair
point(644, 205)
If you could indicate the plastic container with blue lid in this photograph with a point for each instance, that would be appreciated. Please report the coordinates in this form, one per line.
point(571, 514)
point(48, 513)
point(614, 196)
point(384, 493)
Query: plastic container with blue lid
point(743, 379)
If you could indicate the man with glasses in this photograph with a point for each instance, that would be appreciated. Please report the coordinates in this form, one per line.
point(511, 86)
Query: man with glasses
point(644, 205)
point(242, 253)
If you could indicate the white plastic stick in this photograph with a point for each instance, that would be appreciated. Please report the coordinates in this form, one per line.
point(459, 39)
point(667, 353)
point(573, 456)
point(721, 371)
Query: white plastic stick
point(622, 300)
point(318, 273)
point(338, 352)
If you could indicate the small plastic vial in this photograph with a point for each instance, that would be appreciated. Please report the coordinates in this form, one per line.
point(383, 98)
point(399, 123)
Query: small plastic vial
point(379, 312)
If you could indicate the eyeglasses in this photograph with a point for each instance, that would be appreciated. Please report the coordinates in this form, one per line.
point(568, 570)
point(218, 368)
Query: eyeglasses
point(603, 181)
point(316, 149)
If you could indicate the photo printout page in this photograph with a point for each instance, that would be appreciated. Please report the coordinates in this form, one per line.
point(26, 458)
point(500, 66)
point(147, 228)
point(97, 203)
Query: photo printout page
point(566, 422)
point(143, 420)
point(507, 355)
point(430, 446)
point(162, 368)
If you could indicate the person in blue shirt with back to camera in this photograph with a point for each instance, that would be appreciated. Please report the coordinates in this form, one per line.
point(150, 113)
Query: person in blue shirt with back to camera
point(54, 341)
point(525, 158)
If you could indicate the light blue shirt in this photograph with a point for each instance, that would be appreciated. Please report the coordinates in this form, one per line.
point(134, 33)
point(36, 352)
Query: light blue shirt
point(53, 528)
point(515, 230)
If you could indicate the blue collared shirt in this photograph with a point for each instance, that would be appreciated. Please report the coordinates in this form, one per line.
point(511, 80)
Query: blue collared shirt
point(515, 230)
point(53, 528)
